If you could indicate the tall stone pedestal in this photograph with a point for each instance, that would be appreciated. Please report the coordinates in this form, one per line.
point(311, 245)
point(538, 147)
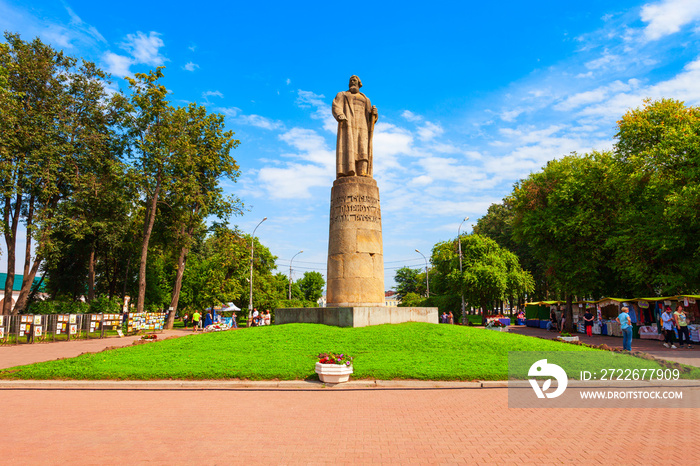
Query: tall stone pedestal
point(355, 256)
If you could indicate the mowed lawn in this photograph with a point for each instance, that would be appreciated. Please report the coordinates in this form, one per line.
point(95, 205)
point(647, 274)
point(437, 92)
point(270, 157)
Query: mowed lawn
point(288, 352)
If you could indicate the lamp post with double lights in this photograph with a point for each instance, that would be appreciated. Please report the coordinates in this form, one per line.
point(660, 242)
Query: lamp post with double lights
point(252, 248)
point(459, 242)
point(427, 283)
point(290, 274)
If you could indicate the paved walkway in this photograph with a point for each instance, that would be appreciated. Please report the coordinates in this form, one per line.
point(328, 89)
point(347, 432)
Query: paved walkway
point(179, 422)
point(330, 426)
point(17, 355)
point(655, 348)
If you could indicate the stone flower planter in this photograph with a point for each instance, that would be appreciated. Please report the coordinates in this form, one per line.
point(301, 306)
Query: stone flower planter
point(333, 373)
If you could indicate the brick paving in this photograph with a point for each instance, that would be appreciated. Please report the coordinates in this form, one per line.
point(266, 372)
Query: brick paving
point(120, 424)
point(331, 426)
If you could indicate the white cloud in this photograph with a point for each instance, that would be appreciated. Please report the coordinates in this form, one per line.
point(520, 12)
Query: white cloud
point(307, 99)
point(207, 94)
point(668, 17)
point(429, 131)
point(596, 95)
point(511, 115)
point(313, 166)
point(230, 112)
point(391, 140)
point(683, 86)
point(603, 61)
point(260, 122)
point(145, 49)
point(190, 66)
point(117, 65)
point(410, 116)
point(289, 81)
point(311, 145)
point(294, 181)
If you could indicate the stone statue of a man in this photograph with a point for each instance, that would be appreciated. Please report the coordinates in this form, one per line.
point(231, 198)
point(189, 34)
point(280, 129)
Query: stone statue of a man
point(356, 118)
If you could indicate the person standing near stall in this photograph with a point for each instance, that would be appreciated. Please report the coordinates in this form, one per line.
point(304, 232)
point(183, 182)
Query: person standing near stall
point(196, 317)
point(668, 323)
point(588, 322)
point(682, 326)
point(626, 327)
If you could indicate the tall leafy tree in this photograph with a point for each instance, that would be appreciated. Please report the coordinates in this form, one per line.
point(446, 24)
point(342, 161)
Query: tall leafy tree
point(657, 246)
point(196, 193)
point(311, 285)
point(489, 273)
point(565, 214)
point(159, 145)
point(39, 163)
point(408, 280)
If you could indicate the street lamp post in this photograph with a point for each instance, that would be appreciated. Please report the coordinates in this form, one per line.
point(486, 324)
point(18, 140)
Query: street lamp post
point(459, 242)
point(252, 248)
point(427, 283)
point(290, 274)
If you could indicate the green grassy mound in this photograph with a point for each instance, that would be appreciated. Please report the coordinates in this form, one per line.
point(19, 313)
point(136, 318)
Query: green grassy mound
point(288, 352)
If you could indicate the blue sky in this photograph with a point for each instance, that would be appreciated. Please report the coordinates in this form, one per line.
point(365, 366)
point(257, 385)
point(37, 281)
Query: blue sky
point(471, 97)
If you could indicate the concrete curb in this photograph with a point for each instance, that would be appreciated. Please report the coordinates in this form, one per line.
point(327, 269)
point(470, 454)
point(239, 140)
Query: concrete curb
point(239, 385)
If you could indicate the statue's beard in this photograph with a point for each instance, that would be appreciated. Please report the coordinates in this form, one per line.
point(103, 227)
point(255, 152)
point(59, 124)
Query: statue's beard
point(354, 89)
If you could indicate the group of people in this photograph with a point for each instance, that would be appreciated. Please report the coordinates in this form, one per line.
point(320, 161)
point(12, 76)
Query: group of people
point(447, 318)
point(670, 323)
point(259, 319)
point(675, 321)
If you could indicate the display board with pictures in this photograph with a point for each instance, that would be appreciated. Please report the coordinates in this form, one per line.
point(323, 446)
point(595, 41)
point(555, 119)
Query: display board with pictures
point(94, 323)
point(146, 321)
point(111, 321)
point(62, 324)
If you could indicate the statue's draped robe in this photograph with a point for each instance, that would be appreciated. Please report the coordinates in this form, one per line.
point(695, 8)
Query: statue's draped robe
point(354, 141)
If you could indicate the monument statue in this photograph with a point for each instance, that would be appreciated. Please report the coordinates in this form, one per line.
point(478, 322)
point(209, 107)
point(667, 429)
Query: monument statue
point(355, 273)
point(356, 118)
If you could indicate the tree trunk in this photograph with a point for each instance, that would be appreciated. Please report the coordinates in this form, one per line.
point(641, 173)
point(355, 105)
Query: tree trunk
point(177, 287)
point(10, 242)
point(147, 230)
point(27, 281)
point(568, 312)
point(91, 274)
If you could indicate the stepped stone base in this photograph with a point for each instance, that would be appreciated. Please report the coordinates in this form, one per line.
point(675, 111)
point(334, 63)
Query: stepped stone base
point(355, 316)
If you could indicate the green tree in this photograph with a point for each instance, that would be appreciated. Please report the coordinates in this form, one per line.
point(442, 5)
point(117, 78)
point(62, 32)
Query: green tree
point(657, 246)
point(489, 273)
point(43, 145)
point(196, 193)
point(311, 285)
point(564, 213)
point(409, 280)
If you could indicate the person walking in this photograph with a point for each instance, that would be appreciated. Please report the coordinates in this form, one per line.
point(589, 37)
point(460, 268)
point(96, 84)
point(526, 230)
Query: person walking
point(588, 322)
point(668, 324)
point(184, 319)
point(682, 326)
point(451, 318)
point(196, 317)
point(626, 327)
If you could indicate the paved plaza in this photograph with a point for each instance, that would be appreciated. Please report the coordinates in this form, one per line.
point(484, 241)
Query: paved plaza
point(331, 426)
point(392, 423)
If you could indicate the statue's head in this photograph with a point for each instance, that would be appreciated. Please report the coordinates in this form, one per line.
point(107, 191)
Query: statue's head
point(355, 83)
